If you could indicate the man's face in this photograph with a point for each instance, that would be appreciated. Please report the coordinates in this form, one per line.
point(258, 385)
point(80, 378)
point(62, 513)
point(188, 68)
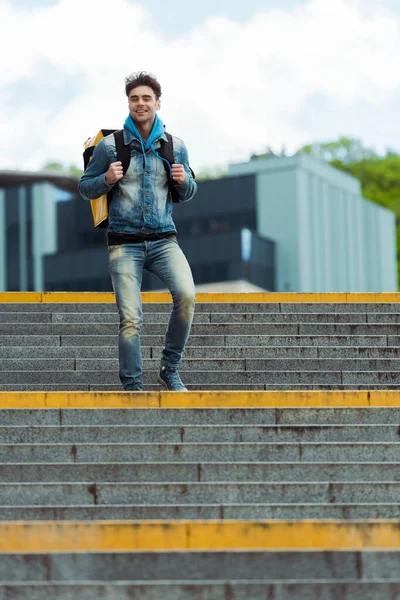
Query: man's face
point(143, 105)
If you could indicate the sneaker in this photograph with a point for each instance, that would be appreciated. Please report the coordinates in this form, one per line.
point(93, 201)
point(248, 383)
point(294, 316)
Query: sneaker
point(134, 388)
point(169, 378)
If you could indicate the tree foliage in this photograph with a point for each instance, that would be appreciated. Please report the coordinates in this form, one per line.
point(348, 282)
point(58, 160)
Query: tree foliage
point(379, 175)
point(345, 150)
point(57, 167)
point(211, 173)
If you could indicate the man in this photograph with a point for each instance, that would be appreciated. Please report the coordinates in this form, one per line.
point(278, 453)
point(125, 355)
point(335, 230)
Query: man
point(141, 233)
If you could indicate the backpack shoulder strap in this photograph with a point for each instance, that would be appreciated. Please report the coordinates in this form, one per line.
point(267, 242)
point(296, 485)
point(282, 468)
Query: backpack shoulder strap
point(167, 150)
point(87, 155)
point(123, 150)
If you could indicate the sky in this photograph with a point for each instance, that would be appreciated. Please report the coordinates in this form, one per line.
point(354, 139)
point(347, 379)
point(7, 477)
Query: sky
point(236, 76)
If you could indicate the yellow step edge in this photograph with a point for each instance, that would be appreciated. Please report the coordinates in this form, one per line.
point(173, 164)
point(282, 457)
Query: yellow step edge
point(203, 399)
point(269, 297)
point(117, 536)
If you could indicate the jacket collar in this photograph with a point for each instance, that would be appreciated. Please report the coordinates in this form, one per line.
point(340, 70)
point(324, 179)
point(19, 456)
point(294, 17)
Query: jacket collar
point(129, 137)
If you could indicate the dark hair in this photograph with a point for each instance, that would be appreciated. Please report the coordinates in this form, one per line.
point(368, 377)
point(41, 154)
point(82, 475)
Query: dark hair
point(142, 78)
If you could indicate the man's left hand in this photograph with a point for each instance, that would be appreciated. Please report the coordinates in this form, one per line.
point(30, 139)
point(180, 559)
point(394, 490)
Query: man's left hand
point(178, 174)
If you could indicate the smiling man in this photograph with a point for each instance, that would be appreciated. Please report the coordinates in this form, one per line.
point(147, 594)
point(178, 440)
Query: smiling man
point(141, 232)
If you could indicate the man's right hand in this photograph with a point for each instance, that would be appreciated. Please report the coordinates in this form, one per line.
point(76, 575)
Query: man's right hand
point(114, 173)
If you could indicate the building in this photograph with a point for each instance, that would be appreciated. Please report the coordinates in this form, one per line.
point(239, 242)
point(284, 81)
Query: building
point(280, 224)
point(28, 225)
point(328, 237)
point(220, 246)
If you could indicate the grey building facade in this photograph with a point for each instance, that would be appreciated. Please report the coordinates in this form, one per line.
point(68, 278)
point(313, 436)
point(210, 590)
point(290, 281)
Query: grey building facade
point(215, 230)
point(328, 237)
point(28, 227)
point(50, 244)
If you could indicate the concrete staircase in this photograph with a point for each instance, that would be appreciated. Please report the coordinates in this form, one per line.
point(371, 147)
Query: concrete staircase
point(282, 342)
point(237, 489)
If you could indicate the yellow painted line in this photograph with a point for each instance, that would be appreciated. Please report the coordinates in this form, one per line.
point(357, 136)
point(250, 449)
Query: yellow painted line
point(287, 297)
point(271, 297)
point(20, 297)
point(52, 297)
point(26, 400)
point(105, 536)
point(61, 297)
point(202, 399)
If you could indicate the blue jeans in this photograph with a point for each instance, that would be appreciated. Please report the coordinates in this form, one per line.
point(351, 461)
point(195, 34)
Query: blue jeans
point(165, 259)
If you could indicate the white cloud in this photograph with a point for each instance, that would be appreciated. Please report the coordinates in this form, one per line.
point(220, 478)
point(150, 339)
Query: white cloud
point(228, 88)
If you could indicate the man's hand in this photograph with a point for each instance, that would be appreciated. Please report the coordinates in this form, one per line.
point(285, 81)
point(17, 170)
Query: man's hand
point(178, 174)
point(114, 173)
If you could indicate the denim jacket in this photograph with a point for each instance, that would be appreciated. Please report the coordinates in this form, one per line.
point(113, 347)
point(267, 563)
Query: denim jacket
point(140, 201)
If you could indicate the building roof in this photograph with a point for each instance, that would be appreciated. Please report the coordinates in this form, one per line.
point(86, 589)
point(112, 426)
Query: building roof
point(61, 180)
point(309, 164)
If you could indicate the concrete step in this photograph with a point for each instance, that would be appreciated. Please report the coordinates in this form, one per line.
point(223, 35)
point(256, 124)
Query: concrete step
point(224, 378)
point(237, 341)
point(323, 590)
point(198, 434)
point(208, 307)
point(214, 364)
point(245, 340)
point(202, 566)
point(201, 416)
point(332, 452)
point(218, 387)
point(71, 494)
point(92, 387)
point(211, 379)
point(112, 340)
point(286, 329)
point(197, 472)
point(88, 387)
point(96, 318)
point(201, 317)
point(279, 511)
point(203, 352)
point(217, 317)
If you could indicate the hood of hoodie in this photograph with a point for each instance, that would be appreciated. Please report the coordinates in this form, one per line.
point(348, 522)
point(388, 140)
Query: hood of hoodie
point(155, 134)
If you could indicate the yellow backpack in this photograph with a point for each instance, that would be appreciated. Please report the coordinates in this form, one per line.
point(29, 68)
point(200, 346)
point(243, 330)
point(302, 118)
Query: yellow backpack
point(99, 206)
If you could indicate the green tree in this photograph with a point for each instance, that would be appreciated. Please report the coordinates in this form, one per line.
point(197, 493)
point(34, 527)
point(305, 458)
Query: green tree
point(75, 171)
point(57, 167)
point(379, 175)
point(211, 173)
point(53, 166)
point(345, 150)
